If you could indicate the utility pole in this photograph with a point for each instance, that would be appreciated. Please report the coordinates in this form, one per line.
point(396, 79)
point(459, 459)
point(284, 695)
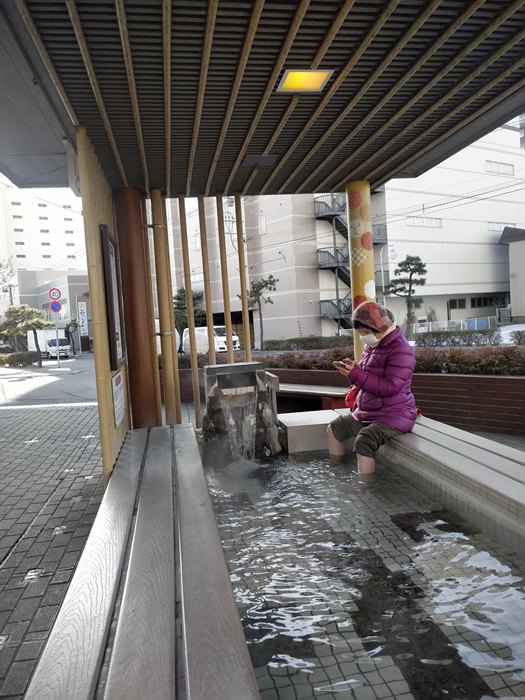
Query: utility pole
point(9, 288)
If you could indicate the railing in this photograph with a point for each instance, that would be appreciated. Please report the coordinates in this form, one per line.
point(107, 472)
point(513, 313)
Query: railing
point(336, 308)
point(464, 324)
point(334, 205)
point(332, 257)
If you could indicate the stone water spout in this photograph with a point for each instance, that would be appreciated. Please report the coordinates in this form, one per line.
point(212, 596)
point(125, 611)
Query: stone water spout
point(240, 421)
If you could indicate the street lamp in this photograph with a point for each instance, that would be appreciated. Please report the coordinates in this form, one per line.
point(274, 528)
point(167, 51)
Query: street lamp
point(392, 255)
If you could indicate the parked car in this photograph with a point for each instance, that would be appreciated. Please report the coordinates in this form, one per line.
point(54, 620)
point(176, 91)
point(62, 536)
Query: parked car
point(507, 333)
point(5, 347)
point(201, 339)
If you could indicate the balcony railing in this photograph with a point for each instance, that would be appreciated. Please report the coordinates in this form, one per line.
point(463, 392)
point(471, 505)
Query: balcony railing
point(336, 308)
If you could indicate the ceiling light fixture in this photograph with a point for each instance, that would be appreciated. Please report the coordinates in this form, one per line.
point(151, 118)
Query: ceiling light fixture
point(304, 80)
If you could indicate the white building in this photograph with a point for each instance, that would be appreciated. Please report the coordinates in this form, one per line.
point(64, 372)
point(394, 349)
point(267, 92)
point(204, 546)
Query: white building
point(452, 217)
point(42, 231)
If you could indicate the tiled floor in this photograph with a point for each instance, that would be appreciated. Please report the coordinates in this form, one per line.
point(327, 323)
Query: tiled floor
point(349, 591)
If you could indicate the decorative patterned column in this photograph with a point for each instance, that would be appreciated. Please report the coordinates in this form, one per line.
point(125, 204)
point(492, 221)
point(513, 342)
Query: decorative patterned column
point(361, 249)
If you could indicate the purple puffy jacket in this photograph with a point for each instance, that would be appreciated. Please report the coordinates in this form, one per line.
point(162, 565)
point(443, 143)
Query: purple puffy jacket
point(384, 377)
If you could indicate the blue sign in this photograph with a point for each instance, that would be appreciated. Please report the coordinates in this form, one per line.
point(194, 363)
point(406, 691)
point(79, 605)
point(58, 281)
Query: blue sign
point(55, 306)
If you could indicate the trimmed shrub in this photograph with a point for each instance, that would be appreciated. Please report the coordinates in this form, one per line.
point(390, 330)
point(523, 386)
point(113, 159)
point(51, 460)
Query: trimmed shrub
point(19, 359)
point(309, 342)
point(457, 339)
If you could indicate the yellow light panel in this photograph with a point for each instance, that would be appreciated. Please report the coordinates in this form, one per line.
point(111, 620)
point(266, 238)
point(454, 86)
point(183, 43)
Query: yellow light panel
point(304, 80)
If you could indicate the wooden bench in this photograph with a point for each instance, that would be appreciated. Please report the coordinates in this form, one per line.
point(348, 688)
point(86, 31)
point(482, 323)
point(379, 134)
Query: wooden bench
point(479, 477)
point(325, 397)
point(153, 549)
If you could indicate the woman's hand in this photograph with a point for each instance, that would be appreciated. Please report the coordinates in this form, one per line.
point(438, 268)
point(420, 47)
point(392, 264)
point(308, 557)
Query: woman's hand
point(345, 366)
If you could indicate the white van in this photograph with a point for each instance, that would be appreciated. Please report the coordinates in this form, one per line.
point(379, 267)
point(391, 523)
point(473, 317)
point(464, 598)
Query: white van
point(201, 339)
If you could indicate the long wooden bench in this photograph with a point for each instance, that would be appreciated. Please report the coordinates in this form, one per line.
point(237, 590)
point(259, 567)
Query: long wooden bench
point(479, 477)
point(153, 548)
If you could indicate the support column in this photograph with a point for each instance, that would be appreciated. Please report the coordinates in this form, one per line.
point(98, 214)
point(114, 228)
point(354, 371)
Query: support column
point(138, 313)
point(361, 249)
point(224, 276)
point(165, 301)
point(242, 278)
point(206, 275)
point(189, 309)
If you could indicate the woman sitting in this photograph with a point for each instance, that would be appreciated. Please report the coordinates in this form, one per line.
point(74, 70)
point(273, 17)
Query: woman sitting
point(385, 404)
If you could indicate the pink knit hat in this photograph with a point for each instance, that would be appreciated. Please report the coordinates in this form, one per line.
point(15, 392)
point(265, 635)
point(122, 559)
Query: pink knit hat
point(373, 316)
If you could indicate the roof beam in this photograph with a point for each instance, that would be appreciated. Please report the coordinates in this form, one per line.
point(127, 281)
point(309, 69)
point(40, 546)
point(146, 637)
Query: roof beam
point(457, 127)
point(243, 60)
point(128, 62)
point(46, 59)
point(166, 62)
point(88, 64)
point(205, 63)
point(378, 25)
point(327, 41)
point(283, 54)
point(403, 41)
point(417, 97)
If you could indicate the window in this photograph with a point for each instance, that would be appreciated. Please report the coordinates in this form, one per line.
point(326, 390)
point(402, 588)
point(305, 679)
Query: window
point(70, 245)
point(45, 243)
point(44, 230)
point(262, 224)
point(17, 216)
point(428, 221)
point(69, 231)
point(41, 204)
point(498, 226)
point(19, 243)
point(493, 166)
point(46, 256)
point(18, 230)
point(197, 242)
point(67, 206)
point(72, 256)
point(43, 218)
point(20, 256)
point(457, 303)
point(68, 218)
point(16, 204)
point(483, 302)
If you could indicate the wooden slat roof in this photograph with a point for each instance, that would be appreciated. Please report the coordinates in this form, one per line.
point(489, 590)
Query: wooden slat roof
point(175, 95)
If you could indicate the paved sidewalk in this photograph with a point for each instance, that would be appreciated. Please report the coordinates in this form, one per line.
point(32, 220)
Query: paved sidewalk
point(51, 486)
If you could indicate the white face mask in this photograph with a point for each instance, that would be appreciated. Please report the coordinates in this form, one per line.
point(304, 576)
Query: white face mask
point(370, 339)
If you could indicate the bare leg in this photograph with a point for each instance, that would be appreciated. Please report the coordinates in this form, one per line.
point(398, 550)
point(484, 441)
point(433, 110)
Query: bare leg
point(336, 449)
point(365, 465)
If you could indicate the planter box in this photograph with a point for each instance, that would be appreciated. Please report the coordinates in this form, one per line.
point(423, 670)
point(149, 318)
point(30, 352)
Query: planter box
point(472, 402)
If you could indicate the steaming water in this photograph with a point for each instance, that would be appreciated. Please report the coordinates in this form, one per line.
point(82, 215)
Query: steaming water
point(239, 406)
point(353, 592)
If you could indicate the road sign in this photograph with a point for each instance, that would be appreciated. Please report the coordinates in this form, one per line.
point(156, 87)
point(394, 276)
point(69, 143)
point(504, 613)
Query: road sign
point(55, 293)
point(55, 306)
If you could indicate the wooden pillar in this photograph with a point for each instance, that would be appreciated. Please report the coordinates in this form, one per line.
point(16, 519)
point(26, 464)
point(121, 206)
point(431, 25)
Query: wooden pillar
point(224, 277)
point(242, 278)
point(138, 312)
point(206, 275)
point(165, 301)
point(97, 204)
point(189, 308)
point(361, 249)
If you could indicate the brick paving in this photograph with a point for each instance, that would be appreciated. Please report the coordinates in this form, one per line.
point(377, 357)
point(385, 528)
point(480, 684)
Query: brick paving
point(51, 486)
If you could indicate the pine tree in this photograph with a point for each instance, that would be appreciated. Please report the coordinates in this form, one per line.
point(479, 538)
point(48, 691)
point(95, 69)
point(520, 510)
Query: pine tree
point(256, 297)
point(19, 320)
point(408, 275)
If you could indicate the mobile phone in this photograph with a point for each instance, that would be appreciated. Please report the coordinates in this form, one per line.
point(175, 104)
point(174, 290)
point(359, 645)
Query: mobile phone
point(338, 363)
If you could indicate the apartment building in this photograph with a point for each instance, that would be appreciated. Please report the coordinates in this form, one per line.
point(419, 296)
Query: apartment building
point(452, 217)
